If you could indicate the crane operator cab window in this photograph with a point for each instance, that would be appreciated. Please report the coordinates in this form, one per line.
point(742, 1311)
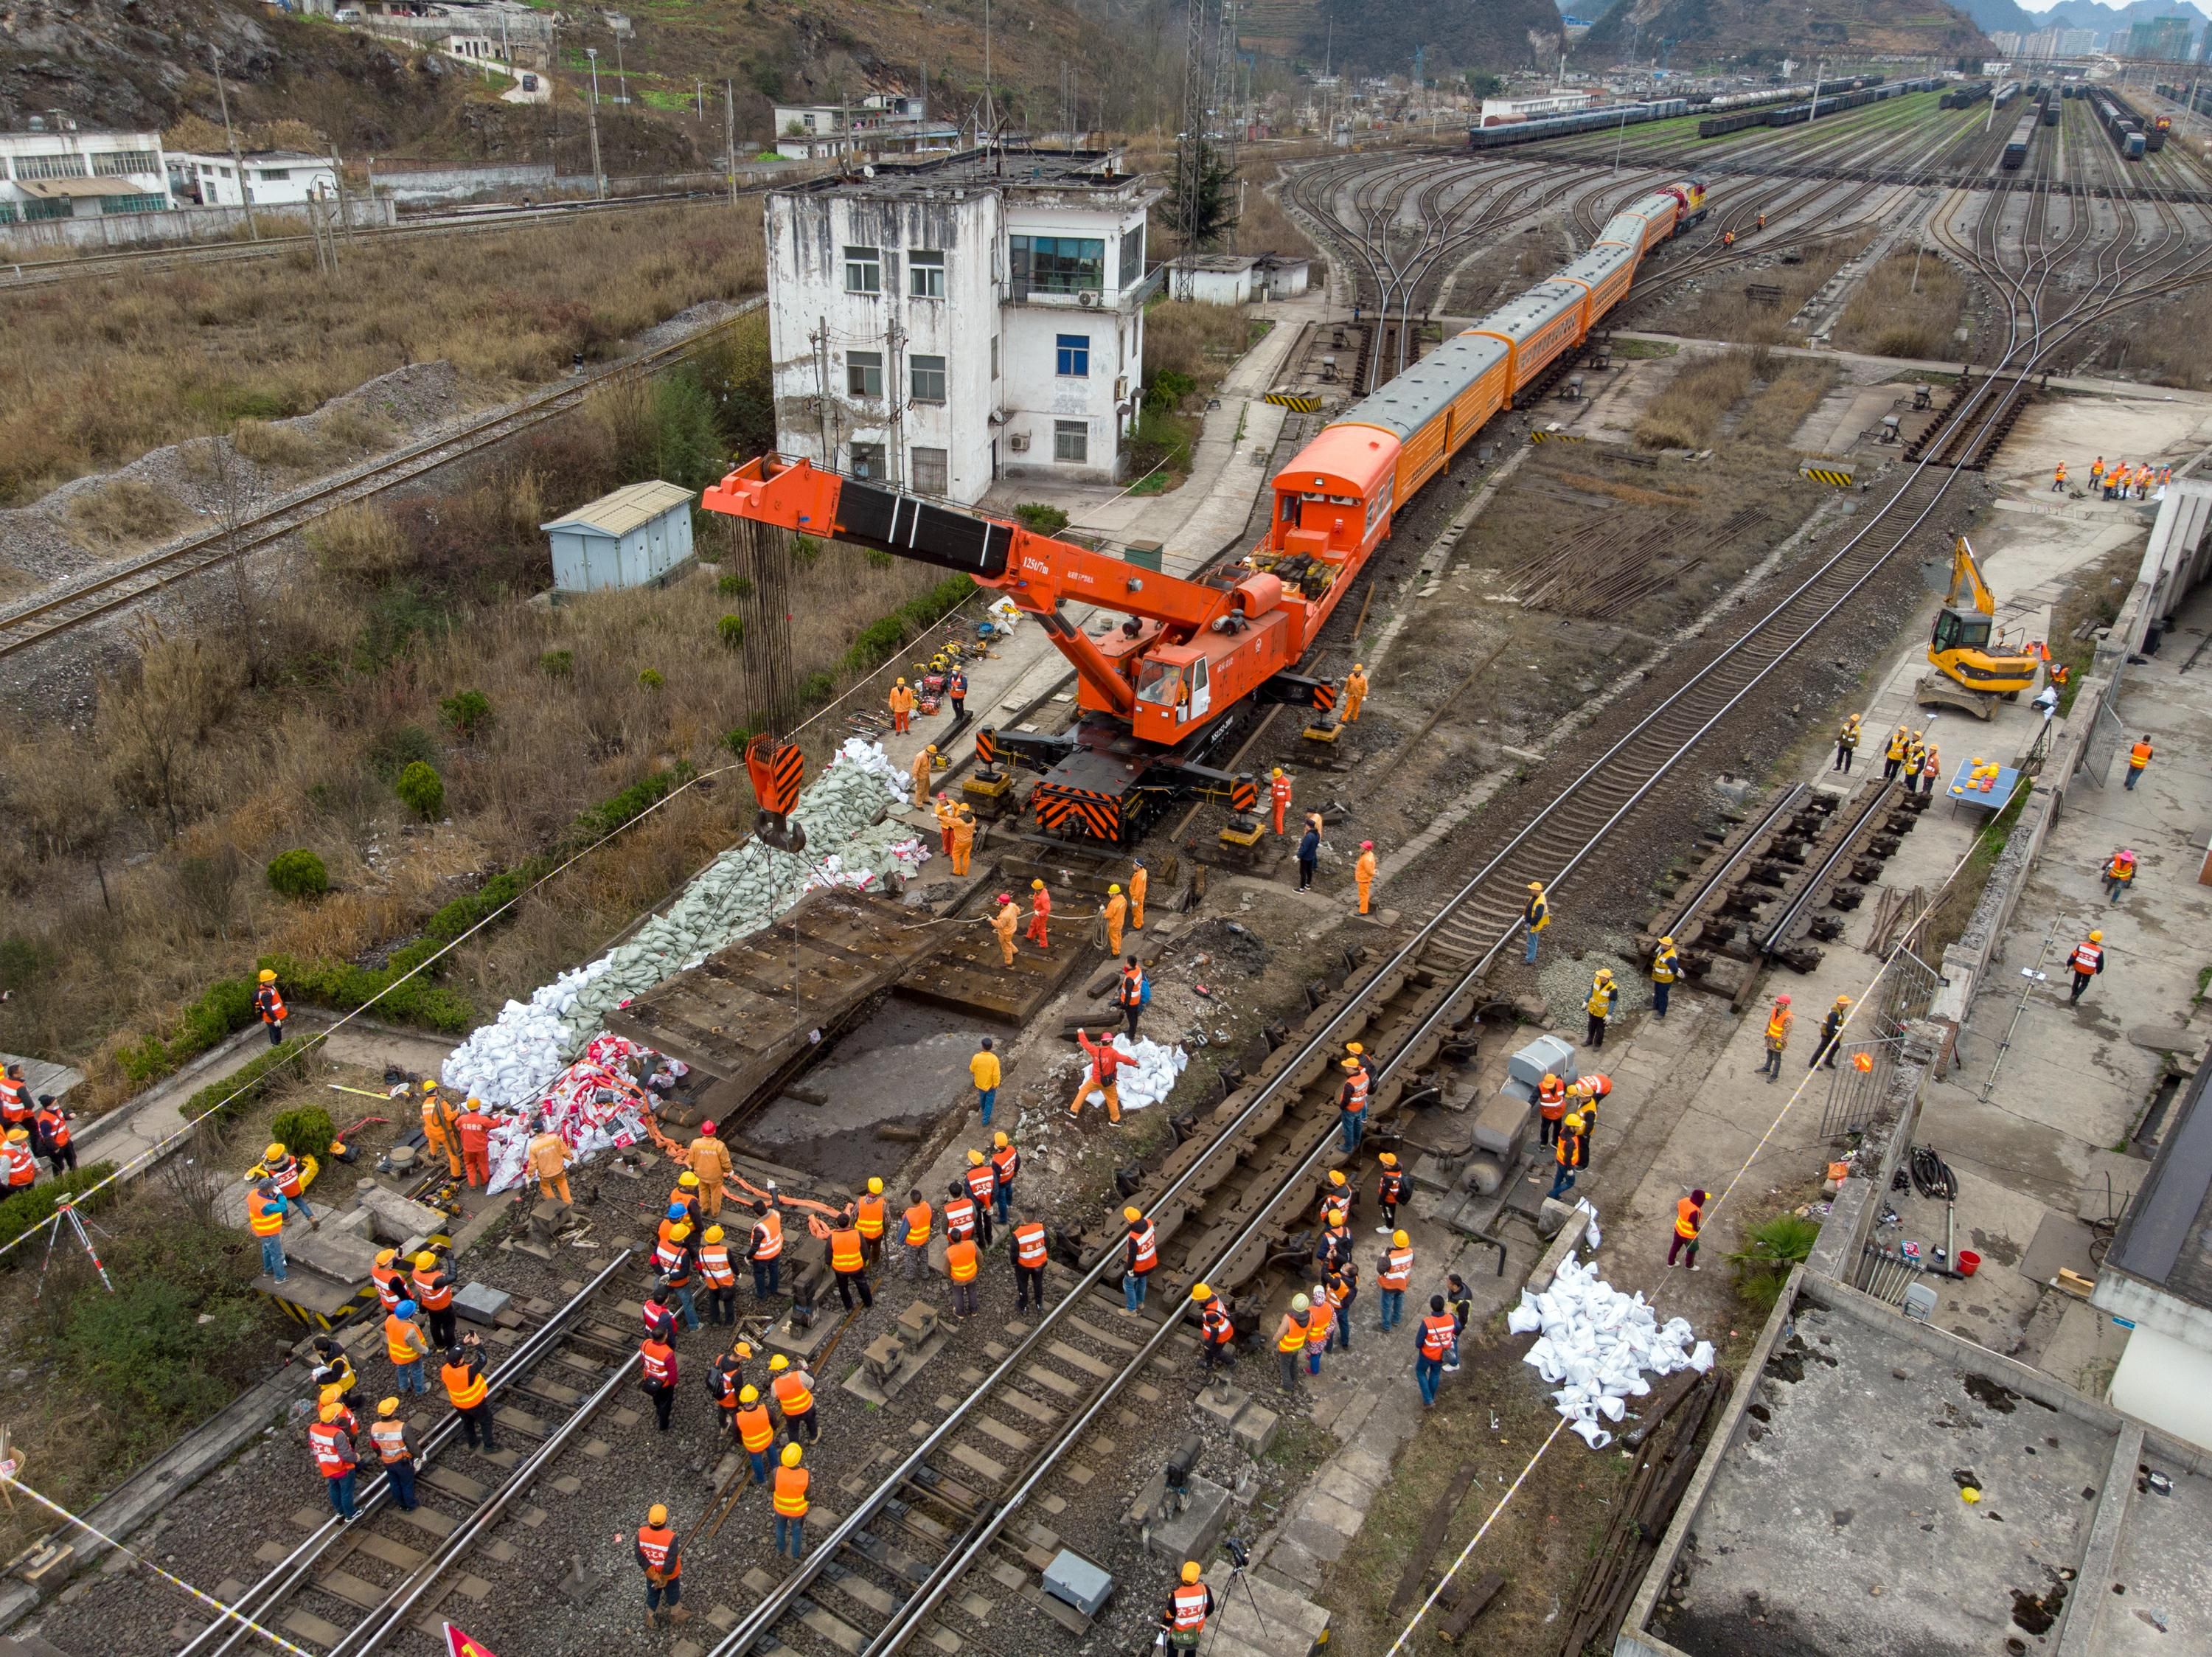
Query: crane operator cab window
point(1176, 686)
point(1961, 630)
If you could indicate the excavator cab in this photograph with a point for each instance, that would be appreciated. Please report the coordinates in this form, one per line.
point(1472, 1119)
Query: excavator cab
point(1959, 629)
point(1974, 664)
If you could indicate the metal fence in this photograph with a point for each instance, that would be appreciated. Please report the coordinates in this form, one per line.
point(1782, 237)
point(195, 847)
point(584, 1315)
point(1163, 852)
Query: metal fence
point(1863, 1064)
point(2104, 738)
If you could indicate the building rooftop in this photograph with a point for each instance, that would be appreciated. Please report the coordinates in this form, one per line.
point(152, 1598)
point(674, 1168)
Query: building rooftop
point(2166, 1237)
point(1829, 1519)
point(1005, 167)
point(627, 508)
point(1227, 263)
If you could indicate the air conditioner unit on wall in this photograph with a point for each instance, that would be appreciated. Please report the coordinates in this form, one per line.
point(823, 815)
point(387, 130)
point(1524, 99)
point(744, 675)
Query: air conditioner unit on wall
point(1019, 442)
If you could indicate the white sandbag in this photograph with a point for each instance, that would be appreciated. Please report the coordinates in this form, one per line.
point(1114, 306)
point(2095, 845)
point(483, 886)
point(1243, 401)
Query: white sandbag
point(1589, 1229)
point(1701, 1356)
point(1523, 1318)
point(1593, 1434)
point(1595, 1344)
point(1611, 1408)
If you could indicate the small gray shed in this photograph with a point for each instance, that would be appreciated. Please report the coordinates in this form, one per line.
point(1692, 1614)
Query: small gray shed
point(635, 535)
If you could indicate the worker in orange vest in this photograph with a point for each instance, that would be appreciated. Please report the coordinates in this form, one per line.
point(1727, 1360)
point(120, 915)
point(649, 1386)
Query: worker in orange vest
point(14, 1097)
point(1290, 1339)
point(1005, 1163)
point(1139, 879)
point(1140, 1256)
point(50, 1135)
point(395, 1447)
point(467, 1387)
point(794, 1397)
point(1189, 1603)
point(901, 701)
point(868, 1220)
point(406, 1346)
point(756, 1432)
point(726, 1382)
point(1778, 1020)
point(2119, 873)
point(1389, 1191)
point(845, 1259)
point(432, 1290)
point(438, 1128)
point(1355, 693)
point(389, 1278)
point(1026, 1244)
point(269, 1007)
point(718, 1277)
point(1362, 871)
point(1279, 795)
point(2138, 761)
point(660, 1556)
point(764, 1250)
point(790, 1482)
point(1320, 1323)
point(1040, 914)
point(1439, 1333)
point(1551, 1106)
point(1689, 1220)
point(941, 809)
point(1217, 1328)
point(474, 1127)
point(2058, 479)
point(2086, 960)
point(1006, 920)
point(1393, 1275)
point(917, 1217)
point(981, 1180)
point(962, 1261)
point(334, 1457)
point(656, 1367)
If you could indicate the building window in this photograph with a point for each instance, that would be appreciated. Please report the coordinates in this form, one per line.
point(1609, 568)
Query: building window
point(929, 470)
point(119, 163)
point(925, 378)
point(1058, 265)
point(863, 271)
point(1071, 441)
point(864, 374)
point(269, 173)
point(132, 204)
point(868, 460)
point(994, 357)
point(60, 207)
point(1133, 259)
point(1073, 353)
point(7, 212)
point(49, 166)
point(925, 269)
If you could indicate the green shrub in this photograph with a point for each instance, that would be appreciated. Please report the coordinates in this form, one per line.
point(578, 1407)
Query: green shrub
point(467, 714)
point(1040, 518)
point(225, 1007)
point(153, 1348)
point(457, 917)
point(421, 790)
point(1771, 1249)
point(732, 631)
point(734, 586)
point(1167, 390)
point(557, 664)
point(28, 1209)
point(651, 679)
point(630, 804)
point(249, 1081)
point(877, 558)
point(1161, 439)
point(347, 988)
point(818, 687)
point(305, 1131)
point(880, 641)
point(298, 875)
point(396, 750)
point(805, 548)
point(737, 736)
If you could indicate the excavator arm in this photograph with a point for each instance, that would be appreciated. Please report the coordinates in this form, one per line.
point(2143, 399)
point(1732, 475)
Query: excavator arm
point(1175, 621)
point(1966, 576)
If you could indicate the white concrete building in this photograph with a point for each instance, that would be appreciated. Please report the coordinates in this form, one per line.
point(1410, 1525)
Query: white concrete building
point(942, 324)
point(57, 171)
point(881, 124)
point(274, 178)
point(1504, 112)
point(1213, 278)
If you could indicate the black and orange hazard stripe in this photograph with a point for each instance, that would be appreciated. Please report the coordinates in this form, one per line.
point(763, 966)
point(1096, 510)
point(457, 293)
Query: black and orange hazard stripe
point(1324, 697)
point(987, 748)
point(1060, 808)
point(777, 769)
point(1243, 794)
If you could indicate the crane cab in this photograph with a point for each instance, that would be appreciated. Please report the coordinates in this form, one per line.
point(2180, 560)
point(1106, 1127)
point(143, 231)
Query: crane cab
point(1959, 630)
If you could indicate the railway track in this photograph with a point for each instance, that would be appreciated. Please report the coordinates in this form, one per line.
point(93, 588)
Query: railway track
point(346, 1589)
point(115, 587)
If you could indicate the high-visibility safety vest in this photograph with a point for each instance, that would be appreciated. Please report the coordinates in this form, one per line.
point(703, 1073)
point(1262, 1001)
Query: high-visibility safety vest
point(1571, 1153)
point(1353, 1097)
point(23, 1170)
point(715, 1266)
point(1279, 790)
point(1665, 966)
point(1006, 1162)
point(1778, 1029)
point(2086, 957)
point(868, 1217)
point(657, 1363)
point(268, 1004)
point(1397, 1271)
point(768, 1236)
point(1132, 989)
point(1028, 1244)
point(2138, 755)
point(1215, 1326)
point(1292, 1337)
point(960, 1217)
point(1600, 999)
point(658, 1544)
point(1438, 1331)
point(390, 1437)
point(845, 1250)
point(724, 1381)
point(430, 1294)
point(264, 1214)
point(667, 1256)
point(1390, 1188)
point(981, 1182)
point(961, 1260)
point(466, 1384)
point(1537, 915)
point(387, 1280)
point(1896, 749)
point(1687, 1217)
point(15, 1101)
point(917, 1225)
point(1596, 1085)
point(1146, 1253)
point(1318, 1322)
point(791, 1395)
point(755, 1431)
point(1187, 1610)
point(53, 1127)
point(659, 1320)
point(403, 1341)
point(1550, 1101)
point(328, 1440)
point(790, 1492)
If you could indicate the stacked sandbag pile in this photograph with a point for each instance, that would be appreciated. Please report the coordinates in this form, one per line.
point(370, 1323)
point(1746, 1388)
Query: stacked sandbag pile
point(571, 1101)
point(1596, 1345)
point(1150, 1075)
point(515, 1060)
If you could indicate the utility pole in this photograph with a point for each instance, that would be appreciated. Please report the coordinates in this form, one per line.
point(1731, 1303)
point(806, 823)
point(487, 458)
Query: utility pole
point(598, 173)
point(230, 136)
point(621, 77)
point(894, 399)
point(730, 136)
point(990, 109)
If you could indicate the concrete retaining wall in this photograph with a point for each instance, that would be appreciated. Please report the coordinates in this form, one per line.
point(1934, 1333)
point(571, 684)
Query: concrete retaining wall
point(457, 183)
point(49, 236)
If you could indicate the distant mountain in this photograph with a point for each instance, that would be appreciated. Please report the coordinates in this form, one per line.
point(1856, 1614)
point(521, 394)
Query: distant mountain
point(1382, 35)
point(1996, 14)
point(1751, 32)
point(2088, 14)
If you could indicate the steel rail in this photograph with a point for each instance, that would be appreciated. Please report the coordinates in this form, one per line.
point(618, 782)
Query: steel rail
point(1878, 801)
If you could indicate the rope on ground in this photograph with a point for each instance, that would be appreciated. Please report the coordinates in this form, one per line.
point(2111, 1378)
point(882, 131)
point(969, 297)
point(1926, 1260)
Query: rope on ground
point(1427, 1605)
point(227, 1612)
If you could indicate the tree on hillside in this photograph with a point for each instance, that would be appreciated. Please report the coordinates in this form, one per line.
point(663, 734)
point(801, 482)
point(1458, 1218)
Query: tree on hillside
point(1202, 214)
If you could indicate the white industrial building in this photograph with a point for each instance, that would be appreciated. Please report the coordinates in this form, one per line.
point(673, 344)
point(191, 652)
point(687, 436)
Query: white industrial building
point(272, 178)
point(55, 171)
point(1505, 112)
point(881, 124)
point(941, 324)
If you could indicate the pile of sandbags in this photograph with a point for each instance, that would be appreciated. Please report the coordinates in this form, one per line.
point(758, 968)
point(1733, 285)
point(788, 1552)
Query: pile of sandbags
point(1597, 1342)
point(1147, 1074)
point(515, 1059)
point(588, 1124)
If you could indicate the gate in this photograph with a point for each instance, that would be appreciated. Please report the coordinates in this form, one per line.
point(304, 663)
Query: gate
point(1867, 1056)
point(2105, 739)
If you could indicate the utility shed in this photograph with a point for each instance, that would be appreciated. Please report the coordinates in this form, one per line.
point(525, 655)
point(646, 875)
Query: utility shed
point(635, 535)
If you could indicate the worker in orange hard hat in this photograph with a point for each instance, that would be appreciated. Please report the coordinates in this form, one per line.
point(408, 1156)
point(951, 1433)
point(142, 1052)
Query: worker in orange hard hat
point(902, 701)
point(1362, 871)
point(1355, 693)
point(1278, 795)
point(1832, 1034)
point(1778, 1017)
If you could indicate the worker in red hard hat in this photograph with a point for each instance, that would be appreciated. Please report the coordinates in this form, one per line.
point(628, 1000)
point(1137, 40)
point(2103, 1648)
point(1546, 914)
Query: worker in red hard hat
point(708, 1158)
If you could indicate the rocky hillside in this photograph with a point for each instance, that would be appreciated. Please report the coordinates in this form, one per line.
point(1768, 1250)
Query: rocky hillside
point(1755, 33)
point(1381, 36)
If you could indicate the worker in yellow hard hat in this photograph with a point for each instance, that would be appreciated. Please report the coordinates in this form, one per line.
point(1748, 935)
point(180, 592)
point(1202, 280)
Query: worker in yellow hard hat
point(1665, 969)
point(1217, 1327)
point(2086, 962)
point(790, 1499)
point(268, 1006)
point(1190, 1602)
point(1114, 912)
point(1140, 1254)
point(1535, 916)
point(1355, 693)
point(902, 704)
point(924, 765)
point(659, 1555)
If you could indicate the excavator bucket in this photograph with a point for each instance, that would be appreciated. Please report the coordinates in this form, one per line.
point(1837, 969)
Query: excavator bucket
point(777, 769)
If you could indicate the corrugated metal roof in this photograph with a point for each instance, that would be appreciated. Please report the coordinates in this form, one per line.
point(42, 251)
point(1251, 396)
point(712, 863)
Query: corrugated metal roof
point(1627, 227)
point(1419, 395)
point(1531, 310)
point(54, 189)
point(627, 508)
point(1598, 264)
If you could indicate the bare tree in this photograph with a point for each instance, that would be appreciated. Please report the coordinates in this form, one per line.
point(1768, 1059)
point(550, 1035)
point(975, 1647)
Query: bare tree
point(61, 799)
point(151, 725)
point(232, 493)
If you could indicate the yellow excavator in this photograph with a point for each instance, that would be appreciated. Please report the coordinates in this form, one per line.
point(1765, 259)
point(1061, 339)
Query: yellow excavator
point(1974, 664)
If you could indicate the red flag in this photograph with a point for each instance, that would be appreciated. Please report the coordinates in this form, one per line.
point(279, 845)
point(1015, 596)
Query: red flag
point(458, 1644)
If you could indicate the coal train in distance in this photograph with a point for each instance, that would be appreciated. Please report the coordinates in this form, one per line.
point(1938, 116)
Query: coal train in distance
point(1610, 117)
point(2132, 136)
point(1164, 699)
point(1796, 112)
point(2016, 147)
